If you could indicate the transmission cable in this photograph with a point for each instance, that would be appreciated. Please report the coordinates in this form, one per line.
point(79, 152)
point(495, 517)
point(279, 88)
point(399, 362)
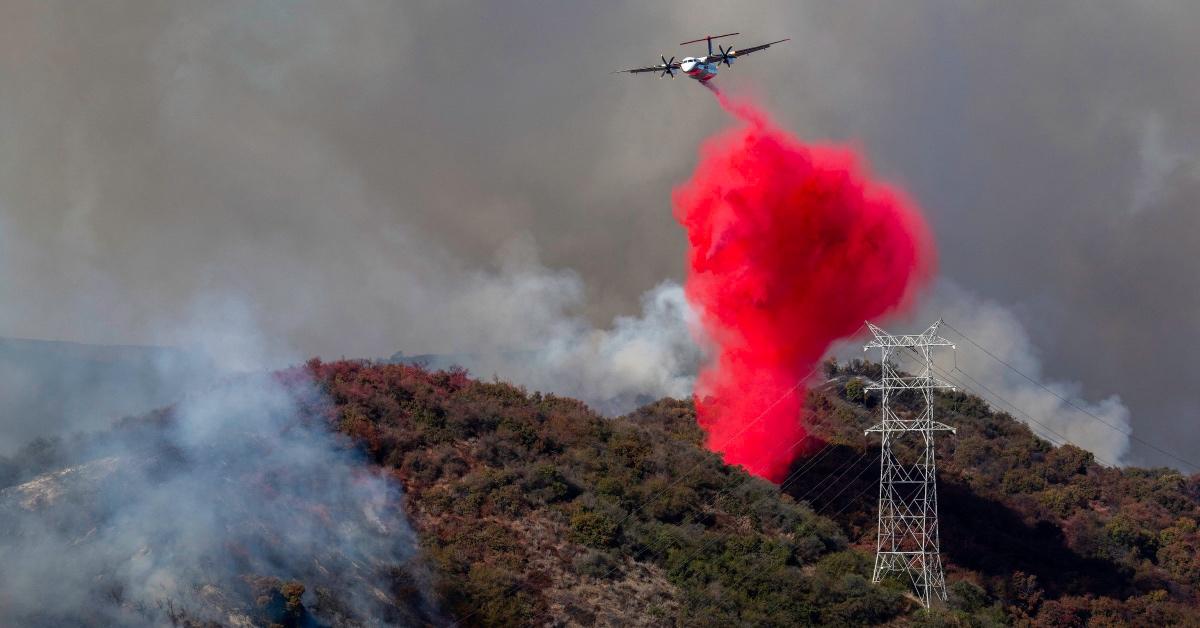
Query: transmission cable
point(800, 382)
point(1067, 401)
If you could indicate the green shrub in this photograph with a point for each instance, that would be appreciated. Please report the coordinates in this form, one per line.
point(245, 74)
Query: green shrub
point(593, 529)
point(855, 390)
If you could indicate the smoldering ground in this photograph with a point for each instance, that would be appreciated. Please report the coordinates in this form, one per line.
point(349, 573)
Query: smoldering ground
point(201, 511)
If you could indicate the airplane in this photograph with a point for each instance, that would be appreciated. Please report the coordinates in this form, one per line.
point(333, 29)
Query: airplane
point(704, 68)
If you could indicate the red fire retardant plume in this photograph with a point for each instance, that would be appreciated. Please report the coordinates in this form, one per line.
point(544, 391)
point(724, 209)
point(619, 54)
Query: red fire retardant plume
point(792, 247)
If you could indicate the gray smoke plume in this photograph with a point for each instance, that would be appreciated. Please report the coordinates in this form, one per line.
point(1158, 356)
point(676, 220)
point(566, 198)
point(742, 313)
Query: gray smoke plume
point(200, 512)
point(521, 323)
point(638, 360)
point(175, 517)
point(1055, 410)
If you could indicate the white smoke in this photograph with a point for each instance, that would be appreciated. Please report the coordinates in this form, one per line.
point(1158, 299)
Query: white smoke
point(637, 360)
point(519, 323)
point(150, 519)
point(1042, 405)
point(176, 512)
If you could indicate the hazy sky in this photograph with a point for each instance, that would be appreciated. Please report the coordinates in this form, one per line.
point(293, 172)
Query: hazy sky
point(331, 172)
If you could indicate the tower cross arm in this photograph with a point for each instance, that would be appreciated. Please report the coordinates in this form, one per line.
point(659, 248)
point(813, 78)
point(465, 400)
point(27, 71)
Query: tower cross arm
point(928, 338)
point(909, 383)
point(909, 426)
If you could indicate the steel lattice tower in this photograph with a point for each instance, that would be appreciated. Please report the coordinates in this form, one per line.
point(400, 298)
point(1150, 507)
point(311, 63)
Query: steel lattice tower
point(908, 513)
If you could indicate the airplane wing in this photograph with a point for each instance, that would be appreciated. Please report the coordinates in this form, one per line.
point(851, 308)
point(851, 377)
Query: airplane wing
point(746, 51)
point(650, 68)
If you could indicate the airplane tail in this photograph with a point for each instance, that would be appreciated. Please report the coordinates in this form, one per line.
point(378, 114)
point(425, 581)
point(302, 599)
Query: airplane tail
point(708, 38)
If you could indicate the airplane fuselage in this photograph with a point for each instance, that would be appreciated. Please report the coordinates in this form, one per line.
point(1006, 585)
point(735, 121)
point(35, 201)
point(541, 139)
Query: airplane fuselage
point(703, 68)
point(699, 68)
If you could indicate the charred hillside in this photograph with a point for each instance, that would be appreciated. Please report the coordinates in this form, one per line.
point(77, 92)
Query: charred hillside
point(531, 509)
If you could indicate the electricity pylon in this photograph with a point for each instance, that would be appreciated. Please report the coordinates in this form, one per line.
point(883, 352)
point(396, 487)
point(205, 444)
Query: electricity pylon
point(908, 513)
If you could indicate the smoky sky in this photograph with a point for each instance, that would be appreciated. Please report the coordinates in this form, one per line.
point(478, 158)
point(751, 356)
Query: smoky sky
point(330, 171)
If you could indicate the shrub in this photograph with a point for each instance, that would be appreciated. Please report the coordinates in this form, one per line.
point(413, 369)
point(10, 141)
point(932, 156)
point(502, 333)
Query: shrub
point(593, 529)
point(855, 390)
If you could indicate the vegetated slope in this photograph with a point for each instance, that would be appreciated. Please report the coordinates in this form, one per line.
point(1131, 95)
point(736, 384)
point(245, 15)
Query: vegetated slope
point(533, 509)
point(1031, 533)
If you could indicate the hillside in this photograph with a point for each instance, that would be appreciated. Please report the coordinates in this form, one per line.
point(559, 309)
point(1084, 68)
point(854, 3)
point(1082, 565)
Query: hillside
point(529, 509)
point(532, 507)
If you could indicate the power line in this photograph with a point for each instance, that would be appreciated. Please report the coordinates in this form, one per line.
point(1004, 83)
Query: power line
point(809, 463)
point(711, 503)
point(816, 513)
point(807, 466)
point(799, 382)
point(860, 493)
point(1063, 439)
point(795, 474)
point(782, 487)
point(994, 396)
point(828, 448)
point(1067, 401)
point(843, 490)
point(842, 475)
point(862, 538)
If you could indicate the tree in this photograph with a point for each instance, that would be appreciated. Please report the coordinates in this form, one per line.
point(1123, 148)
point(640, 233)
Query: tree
point(855, 390)
point(593, 529)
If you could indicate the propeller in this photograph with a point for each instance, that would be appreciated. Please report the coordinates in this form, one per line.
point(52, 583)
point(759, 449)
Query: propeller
point(668, 66)
point(725, 56)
